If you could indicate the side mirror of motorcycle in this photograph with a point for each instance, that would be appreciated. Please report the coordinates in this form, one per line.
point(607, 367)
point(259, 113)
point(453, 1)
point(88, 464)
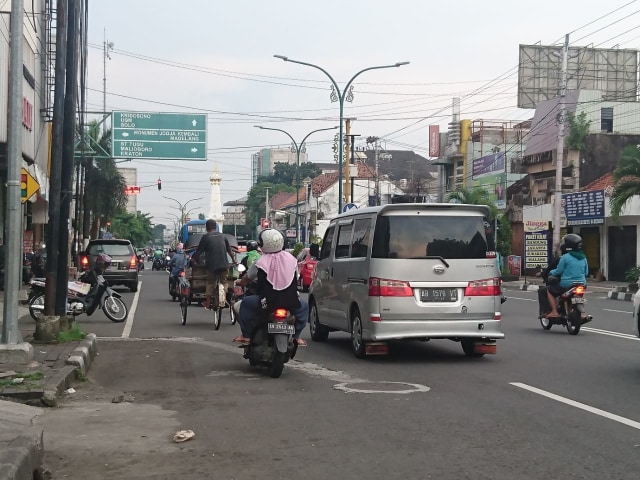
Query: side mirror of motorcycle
point(241, 268)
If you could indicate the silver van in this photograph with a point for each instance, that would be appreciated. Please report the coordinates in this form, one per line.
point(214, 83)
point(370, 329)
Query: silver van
point(408, 271)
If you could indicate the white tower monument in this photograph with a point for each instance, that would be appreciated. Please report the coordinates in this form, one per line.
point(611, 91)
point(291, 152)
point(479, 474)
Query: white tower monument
point(215, 203)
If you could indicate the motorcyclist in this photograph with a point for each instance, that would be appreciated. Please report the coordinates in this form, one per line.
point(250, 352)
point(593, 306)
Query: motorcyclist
point(177, 264)
point(275, 274)
point(102, 263)
point(543, 300)
point(572, 268)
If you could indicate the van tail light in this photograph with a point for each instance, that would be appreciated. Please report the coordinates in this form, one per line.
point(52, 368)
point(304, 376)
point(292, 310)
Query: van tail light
point(483, 288)
point(280, 314)
point(382, 287)
point(133, 263)
point(579, 290)
point(84, 262)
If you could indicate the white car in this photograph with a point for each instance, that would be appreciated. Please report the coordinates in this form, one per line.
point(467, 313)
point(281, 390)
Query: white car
point(636, 314)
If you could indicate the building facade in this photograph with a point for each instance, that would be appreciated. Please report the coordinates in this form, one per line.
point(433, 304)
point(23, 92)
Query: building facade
point(263, 162)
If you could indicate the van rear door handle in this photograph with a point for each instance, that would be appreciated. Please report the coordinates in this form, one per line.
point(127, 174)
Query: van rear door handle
point(357, 280)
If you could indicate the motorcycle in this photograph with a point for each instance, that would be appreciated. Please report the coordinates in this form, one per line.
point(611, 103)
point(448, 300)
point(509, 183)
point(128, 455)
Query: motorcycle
point(272, 343)
point(84, 296)
point(570, 306)
point(157, 264)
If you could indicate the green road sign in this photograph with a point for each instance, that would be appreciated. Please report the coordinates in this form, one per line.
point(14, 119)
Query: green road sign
point(169, 136)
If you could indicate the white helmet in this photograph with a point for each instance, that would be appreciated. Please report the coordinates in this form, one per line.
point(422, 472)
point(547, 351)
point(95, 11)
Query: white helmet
point(270, 240)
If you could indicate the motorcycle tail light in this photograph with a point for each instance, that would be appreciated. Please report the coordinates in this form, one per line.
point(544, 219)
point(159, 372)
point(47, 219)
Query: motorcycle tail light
point(579, 290)
point(280, 314)
point(133, 263)
point(84, 262)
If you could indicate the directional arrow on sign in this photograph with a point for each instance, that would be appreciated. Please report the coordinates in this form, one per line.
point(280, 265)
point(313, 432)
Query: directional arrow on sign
point(125, 134)
point(194, 123)
point(194, 150)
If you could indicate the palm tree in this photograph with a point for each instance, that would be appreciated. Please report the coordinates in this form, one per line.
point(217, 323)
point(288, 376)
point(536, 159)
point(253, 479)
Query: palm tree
point(480, 196)
point(474, 196)
point(103, 189)
point(626, 178)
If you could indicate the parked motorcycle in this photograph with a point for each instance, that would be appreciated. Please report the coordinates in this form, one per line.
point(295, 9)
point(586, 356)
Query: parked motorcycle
point(570, 306)
point(84, 296)
point(272, 343)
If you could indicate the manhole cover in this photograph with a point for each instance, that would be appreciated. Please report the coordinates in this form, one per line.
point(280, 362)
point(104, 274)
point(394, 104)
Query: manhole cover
point(399, 388)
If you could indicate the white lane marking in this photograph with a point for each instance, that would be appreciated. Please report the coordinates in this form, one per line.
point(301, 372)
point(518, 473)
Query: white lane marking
point(129, 324)
point(520, 298)
point(582, 406)
point(617, 311)
point(610, 333)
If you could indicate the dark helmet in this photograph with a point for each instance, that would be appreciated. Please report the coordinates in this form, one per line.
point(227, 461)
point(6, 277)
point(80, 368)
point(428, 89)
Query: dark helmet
point(252, 245)
point(102, 262)
point(572, 242)
point(563, 248)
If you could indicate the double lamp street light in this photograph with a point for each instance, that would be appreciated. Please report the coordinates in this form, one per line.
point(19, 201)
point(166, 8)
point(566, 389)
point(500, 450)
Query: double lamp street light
point(340, 97)
point(183, 210)
point(298, 148)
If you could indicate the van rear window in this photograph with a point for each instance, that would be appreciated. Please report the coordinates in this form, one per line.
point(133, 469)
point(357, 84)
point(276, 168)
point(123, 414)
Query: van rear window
point(414, 236)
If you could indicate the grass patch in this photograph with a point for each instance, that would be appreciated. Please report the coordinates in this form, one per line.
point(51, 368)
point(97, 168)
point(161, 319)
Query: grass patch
point(72, 335)
point(28, 377)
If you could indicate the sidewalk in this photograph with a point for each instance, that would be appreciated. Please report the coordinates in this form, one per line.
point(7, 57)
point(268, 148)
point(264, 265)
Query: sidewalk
point(614, 290)
point(54, 368)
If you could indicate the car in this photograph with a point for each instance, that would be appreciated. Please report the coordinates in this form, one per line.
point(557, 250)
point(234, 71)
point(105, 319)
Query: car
point(124, 261)
point(636, 314)
point(408, 271)
point(306, 266)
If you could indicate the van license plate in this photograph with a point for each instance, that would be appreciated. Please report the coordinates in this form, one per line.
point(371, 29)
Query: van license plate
point(575, 300)
point(281, 328)
point(439, 295)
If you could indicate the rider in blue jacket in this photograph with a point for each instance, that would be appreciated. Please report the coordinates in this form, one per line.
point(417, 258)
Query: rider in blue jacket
point(572, 268)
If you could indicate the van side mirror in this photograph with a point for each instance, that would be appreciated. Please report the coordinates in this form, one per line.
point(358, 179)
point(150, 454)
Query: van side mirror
point(314, 250)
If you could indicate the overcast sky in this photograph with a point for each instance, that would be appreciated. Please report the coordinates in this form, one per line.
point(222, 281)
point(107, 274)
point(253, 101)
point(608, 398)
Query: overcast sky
point(216, 57)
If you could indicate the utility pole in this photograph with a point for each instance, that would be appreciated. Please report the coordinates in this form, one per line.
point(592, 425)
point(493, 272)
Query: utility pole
point(352, 142)
point(107, 47)
point(55, 177)
point(68, 147)
point(560, 149)
point(13, 241)
point(266, 203)
point(347, 159)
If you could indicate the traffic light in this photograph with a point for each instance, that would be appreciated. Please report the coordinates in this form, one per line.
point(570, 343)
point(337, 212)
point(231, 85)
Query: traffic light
point(159, 184)
point(23, 185)
point(132, 190)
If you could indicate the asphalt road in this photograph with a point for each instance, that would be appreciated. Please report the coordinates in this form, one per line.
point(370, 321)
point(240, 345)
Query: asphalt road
point(548, 405)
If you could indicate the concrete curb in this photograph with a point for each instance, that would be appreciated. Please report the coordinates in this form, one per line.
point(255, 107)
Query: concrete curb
point(620, 296)
point(77, 363)
point(22, 458)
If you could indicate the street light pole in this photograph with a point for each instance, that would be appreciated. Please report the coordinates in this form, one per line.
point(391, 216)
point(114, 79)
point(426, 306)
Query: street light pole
point(340, 97)
point(298, 148)
point(183, 208)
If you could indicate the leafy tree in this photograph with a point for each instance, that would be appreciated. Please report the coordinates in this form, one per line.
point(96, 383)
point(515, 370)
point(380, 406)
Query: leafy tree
point(480, 196)
point(286, 173)
point(134, 227)
point(255, 206)
point(104, 186)
point(626, 178)
point(579, 128)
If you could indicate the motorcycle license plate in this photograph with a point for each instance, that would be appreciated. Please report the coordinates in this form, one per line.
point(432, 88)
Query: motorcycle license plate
point(281, 328)
point(575, 300)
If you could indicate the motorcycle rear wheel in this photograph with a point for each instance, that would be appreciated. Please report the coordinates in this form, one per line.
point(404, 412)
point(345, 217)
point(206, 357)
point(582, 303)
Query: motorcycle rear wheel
point(217, 315)
point(115, 309)
point(274, 369)
point(574, 320)
point(184, 304)
point(36, 306)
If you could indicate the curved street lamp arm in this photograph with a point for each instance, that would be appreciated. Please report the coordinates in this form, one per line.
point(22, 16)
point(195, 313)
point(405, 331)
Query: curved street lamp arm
point(379, 67)
point(280, 130)
point(319, 130)
point(335, 85)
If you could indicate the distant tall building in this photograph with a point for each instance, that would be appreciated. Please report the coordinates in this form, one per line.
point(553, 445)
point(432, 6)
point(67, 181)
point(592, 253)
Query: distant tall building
point(215, 202)
point(131, 178)
point(262, 163)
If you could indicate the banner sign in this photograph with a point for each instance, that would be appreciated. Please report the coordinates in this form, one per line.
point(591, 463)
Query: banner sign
point(488, 164)
point(434, 140)
point(584, 208)
point(537, 244)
